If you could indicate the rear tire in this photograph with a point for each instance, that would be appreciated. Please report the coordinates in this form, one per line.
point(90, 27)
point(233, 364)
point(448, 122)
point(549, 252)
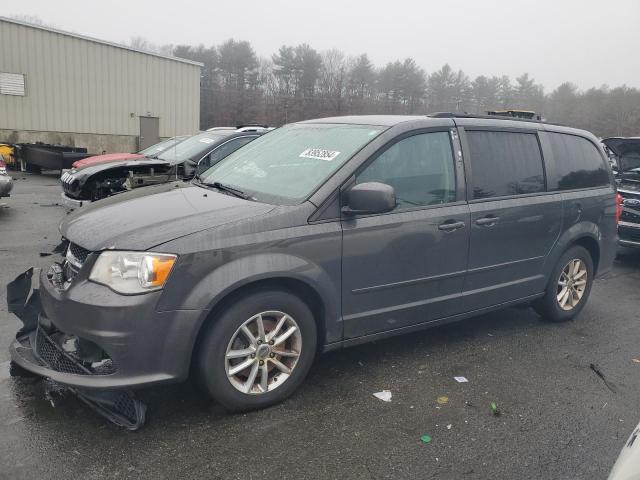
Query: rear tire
point(253, 331)
point(568, 288)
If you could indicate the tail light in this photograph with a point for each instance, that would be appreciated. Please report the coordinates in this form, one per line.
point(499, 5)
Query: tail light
point(3, 166)
point(619, 201)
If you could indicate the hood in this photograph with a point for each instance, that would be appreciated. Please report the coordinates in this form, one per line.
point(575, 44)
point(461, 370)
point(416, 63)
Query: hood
point(110, 157)
point(626, 150)
point(87, 171)
point(73, 181)
point(146, 217)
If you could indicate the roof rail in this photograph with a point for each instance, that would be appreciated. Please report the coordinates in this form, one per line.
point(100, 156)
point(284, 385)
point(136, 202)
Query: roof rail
point(213, 129)
point(251, 128)
point(488, 117)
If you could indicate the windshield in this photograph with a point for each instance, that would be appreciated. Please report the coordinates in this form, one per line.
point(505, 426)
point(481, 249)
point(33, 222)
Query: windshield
point(161, 146)
point(288, 164)
point(192, 146)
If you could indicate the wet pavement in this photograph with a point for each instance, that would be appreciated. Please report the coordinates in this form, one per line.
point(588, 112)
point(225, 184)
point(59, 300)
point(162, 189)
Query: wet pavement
point(558, 419)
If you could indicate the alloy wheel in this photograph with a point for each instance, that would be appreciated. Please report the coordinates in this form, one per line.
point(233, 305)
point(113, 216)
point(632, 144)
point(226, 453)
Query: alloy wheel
point(572, 284)
point(263, 352)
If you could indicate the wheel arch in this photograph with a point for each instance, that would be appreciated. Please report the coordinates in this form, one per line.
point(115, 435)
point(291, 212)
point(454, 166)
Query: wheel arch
point(584, 234)
point(591, 245)
point(312, 284)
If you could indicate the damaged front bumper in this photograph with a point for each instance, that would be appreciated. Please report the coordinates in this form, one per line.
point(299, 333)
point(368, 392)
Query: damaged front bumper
point(72, 203)
point(43, 350)
point(88, 336)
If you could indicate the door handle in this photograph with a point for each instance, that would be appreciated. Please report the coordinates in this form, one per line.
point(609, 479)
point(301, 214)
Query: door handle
point(450, 225)
point(487, 221)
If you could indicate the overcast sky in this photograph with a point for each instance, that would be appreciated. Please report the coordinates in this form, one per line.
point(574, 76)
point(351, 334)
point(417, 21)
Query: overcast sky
point(587, 42)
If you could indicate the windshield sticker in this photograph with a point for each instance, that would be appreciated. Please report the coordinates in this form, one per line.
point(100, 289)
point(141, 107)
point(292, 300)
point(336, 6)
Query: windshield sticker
point(206, 140)
point(319, 154)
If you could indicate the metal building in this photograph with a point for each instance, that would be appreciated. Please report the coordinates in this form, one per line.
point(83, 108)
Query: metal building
point(60, 87)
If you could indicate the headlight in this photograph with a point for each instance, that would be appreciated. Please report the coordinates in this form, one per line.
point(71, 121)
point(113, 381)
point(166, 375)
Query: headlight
point(132, 272)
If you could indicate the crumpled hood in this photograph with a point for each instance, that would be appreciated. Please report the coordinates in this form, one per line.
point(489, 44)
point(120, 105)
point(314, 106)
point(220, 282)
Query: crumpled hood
point(146, 217)
point(626, 149)
point(109, 157)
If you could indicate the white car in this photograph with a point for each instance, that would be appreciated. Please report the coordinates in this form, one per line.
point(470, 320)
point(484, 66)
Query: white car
point(627, 466)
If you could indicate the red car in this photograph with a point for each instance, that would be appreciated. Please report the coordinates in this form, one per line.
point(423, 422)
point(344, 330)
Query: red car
point(117, 157)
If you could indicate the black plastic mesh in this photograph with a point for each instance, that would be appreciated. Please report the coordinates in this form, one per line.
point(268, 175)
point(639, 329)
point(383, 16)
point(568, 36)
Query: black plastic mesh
point(126, 406)
point(78, 252)
point(55, 359)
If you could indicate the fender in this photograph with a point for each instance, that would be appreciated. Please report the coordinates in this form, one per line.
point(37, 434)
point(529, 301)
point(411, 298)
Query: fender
point(570, 236)
point(229, 275)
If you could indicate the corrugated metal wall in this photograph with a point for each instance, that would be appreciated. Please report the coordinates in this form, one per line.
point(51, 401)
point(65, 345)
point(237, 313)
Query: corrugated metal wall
point(78, 85)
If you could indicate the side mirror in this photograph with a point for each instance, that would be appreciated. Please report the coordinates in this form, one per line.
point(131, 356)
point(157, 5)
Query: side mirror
point(370, 197)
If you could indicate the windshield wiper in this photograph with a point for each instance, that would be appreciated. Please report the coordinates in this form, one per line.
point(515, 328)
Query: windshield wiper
point(226, 188)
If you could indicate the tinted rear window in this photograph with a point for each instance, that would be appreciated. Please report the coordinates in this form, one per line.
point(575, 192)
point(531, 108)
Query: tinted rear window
point(505, 163)
point(578, 163)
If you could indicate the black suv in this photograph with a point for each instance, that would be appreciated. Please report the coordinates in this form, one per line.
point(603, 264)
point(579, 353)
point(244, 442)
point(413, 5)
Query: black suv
point(184, 159)
point(320, 235)
point(624, 153)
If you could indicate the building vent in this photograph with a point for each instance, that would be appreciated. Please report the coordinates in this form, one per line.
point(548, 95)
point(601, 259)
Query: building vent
point(11, 84)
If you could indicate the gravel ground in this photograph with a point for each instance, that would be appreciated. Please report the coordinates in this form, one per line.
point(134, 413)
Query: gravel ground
point(558, 419)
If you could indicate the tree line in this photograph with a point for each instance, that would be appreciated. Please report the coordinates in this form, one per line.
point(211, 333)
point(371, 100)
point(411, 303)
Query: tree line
point(299, 82)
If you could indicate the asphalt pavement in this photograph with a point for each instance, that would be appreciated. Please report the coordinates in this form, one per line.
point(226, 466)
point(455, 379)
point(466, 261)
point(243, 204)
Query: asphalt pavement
point(557, 418)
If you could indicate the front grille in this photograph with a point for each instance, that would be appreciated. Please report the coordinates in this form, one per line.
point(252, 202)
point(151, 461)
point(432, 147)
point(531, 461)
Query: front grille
point(79, 254)
point(55, 358)
point(49, 352)
point(69, 184)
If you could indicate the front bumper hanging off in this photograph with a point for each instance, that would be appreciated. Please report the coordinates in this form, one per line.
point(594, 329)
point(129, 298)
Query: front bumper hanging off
point(41, 349)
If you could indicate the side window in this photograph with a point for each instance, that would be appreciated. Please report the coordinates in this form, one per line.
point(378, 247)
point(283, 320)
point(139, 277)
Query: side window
point(420, 168)
point(225, 150)
point(579, 164)
point(505, 163)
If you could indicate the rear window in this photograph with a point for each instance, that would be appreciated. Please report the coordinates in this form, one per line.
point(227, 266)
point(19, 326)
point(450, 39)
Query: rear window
point(505, 163)
point(579, 163)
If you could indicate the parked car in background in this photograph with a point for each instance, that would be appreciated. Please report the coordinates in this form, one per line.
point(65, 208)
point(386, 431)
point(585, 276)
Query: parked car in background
point(183, 160)
point(624, 154)
point(6, 182)
point(627, 467)
point(324, 234)
point(151, 151)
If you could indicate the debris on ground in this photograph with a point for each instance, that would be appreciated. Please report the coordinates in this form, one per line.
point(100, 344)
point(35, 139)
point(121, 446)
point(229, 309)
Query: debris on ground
point(460, 379)
point(494, 409)
point(384, 395)
point(45, 254)
point(443, 400)
point(449, 426)
point(635, 360)
point(425, 439)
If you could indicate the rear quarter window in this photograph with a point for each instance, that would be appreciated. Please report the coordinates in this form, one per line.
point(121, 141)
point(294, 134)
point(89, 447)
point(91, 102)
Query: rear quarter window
point(505, 164)
point(578, 163)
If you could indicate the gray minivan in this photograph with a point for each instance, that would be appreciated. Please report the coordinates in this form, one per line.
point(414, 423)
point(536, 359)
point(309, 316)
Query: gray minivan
point(319, 235)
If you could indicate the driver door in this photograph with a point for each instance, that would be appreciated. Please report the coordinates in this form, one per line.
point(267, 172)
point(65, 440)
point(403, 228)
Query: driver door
point(407, 266)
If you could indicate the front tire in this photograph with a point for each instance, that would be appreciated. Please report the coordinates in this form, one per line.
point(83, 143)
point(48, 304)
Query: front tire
point(258, 350)
point(569, 286)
